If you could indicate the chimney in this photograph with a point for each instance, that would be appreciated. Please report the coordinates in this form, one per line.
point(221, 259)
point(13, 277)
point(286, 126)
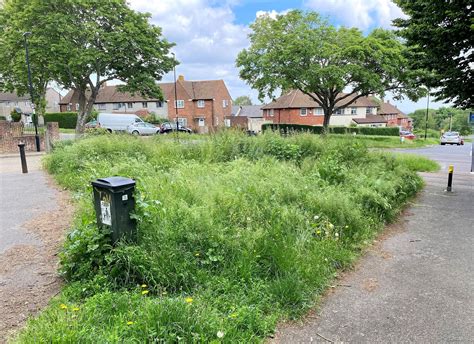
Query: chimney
point(181, 78)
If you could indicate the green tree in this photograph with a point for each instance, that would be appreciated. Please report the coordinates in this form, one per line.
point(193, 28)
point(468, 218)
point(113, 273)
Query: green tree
point(86, 43)
point(301, 51)
point(441, 35)
point(243, 100)
point(13, 69)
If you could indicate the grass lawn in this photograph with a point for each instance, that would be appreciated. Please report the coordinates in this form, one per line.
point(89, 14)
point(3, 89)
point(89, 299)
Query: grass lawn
point(67, 131)
point(235, 233)
point(392, 141)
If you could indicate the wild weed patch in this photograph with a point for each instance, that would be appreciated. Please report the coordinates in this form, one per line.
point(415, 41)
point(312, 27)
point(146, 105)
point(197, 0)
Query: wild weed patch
point(234, 233)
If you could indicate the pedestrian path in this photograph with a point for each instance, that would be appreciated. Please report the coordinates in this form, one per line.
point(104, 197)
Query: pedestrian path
point(33, 217)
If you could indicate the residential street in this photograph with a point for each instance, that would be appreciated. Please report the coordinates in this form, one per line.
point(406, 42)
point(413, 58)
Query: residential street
point(417, 283)
point(33, 219)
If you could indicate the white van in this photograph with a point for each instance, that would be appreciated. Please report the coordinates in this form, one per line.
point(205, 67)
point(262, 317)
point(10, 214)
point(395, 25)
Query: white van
point(116, 122)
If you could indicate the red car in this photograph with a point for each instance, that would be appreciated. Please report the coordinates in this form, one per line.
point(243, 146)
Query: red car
point(408, 135)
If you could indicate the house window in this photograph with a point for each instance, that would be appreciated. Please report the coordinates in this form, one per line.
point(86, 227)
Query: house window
point(200, 103)
point(116, 106)
point(144, 105)
point(339, 111)
point(159, 104)
point(227, 122)
point(201, 122)
point(225, 102)
point(368, 110)
point(353, 111)
point(179, 104)
point(130, 105)
point(318, 111)
point(182, 121)
point(69, 107)
point(102, 106)
point(77, 107)
point(303, 112)
point(271, 112)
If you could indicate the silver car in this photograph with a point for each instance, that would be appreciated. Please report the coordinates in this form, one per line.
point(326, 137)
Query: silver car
point(451, 138)
point(143, 128)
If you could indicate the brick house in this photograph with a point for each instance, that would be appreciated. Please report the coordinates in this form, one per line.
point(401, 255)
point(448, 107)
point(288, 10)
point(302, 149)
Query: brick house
point(295, 107)
point(201, 105)
point(248, 117)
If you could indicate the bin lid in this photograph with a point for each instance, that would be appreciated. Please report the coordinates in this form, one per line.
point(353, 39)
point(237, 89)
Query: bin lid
point(113, 182)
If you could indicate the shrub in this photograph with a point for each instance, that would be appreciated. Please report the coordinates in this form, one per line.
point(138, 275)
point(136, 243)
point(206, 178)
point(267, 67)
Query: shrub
point(3, 118)
point(66, 120)
point(298, 128)
point(16, 116)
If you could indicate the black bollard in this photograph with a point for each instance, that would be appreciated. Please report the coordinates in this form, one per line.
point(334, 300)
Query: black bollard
point(450, 178)
point(24, 167)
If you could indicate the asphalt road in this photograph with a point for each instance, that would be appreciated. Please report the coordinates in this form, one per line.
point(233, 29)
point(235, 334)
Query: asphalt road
point(416, 284)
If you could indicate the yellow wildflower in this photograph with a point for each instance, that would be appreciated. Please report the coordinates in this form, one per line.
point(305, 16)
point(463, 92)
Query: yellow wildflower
point(233, 315)
point(75, 309)
point(197, 254)
point(144, 292)
point(318, 232)
point(62, 306)
point(188, 300)
point(144, 285)
point(129, 322)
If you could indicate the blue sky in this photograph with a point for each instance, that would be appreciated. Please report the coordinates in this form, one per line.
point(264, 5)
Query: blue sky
point(210, 33)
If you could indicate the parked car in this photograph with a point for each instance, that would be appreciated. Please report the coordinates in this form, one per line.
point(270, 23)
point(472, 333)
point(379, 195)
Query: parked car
point(92, 124)
point(407, 134)
point(143, 128)
point(117, 122)
point(168, 127)
point(451, 138)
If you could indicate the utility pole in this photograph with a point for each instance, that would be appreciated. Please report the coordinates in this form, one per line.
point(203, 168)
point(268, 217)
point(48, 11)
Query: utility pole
point(426, 117)
point(175, 98)
point(30, 84)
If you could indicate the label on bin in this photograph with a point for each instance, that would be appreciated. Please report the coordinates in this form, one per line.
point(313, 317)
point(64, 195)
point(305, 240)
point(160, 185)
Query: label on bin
point(105, 215)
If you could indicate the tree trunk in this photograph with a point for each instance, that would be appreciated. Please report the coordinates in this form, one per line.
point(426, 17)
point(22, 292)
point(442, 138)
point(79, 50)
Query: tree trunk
point(86, 105)
point(327, 117)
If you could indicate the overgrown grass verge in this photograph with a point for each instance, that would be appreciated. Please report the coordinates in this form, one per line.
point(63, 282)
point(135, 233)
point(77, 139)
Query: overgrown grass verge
point(234, 234)
point(392, 142)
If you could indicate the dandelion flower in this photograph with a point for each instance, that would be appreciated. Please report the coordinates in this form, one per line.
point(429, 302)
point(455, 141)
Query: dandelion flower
point(144, 292)
point(144, 285)
point(318, 232)
point(129, 322)
point(62, 306)
point(75, 309)
point(188, 300)
point(233, 315)
point(220, 334)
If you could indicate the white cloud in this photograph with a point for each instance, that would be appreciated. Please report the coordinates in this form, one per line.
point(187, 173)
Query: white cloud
point(358, 13)
point(272, 14)
point(206, 36)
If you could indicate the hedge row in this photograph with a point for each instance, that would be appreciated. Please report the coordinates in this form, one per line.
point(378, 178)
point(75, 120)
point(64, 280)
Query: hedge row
point(291, 128)
point(66, 120)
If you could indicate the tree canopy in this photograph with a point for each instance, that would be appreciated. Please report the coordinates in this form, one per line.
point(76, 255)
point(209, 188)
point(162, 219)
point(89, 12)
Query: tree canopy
point(441, 35)
point(299, 50)
point(84, 43)
point(442, 119)
point(243, 100)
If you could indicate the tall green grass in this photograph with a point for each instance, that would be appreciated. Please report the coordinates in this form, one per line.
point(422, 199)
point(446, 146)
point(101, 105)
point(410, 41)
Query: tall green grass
point(234, 234)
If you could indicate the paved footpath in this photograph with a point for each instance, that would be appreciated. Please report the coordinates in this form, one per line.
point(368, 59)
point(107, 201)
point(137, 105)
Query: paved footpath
point(417, 283)
point(33, 217)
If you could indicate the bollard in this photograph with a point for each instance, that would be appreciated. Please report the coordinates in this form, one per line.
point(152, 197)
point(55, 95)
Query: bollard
point(24, 167)
point(450, 178)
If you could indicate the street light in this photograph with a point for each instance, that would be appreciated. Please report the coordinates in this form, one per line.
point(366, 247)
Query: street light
point(426, 117)
point(175, 96)
point(35, 118)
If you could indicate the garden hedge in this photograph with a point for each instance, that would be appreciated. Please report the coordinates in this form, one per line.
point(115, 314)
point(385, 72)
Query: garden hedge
point(65, 120)
point(291, 128)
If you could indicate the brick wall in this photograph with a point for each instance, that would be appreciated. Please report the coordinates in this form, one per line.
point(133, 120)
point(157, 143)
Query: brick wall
point(11, 134)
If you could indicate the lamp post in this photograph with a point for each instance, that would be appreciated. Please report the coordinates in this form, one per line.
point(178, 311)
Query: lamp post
point(175, 97)
point(30, 85)
point(426, 117)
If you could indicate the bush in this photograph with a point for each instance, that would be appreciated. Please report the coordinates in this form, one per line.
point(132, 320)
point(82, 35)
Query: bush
point(66, 120)
point(298, 128)
point(234, 234)
point(16, 116)
point(3, 118)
